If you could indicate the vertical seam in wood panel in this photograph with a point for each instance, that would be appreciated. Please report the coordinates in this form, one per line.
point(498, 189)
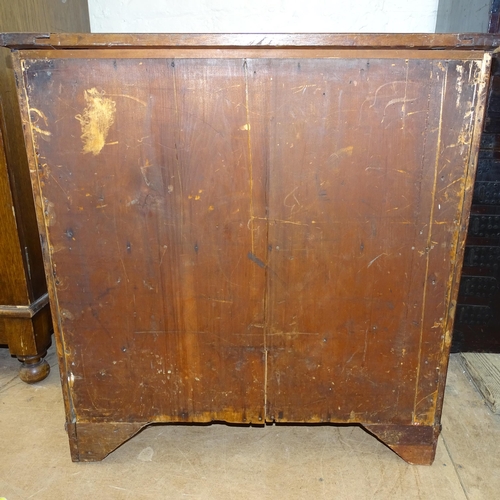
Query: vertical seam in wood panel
point(429, 242)
point(419, 193)
point(267, 289)
point(251, 226)
point(176, 151)
point(177, 296)
point(250, 162)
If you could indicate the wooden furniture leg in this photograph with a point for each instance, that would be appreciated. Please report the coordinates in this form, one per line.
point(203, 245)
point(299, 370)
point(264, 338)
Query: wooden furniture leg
point(416, 444)
point(27, 332)
point(33, 368)
point(93, 441)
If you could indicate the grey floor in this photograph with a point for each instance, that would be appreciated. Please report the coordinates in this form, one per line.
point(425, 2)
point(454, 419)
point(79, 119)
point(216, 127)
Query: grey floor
point(224, 462)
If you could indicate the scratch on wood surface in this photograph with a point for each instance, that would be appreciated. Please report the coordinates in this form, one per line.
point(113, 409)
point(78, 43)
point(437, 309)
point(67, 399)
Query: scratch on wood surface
point(402, 100)
point(303, 88)
point(376, 96)
point(35, 127)
point(140, 101)
point(297, 202)
point(366, 346)
point(96, 120)
point(460, 179)
point(337, 155)
point(162, 255)
point(227, 88)
point(398, 208)
point(375, 259)
point(416, 112)
point(62, 189)
point(279, 221)
point(372, 100)
point(41, 114)
point(154, 332)
point(432, 395)
point(349, 360)
point(143, 169)
point(273, 334)
point(46, 133)
point(213, 299)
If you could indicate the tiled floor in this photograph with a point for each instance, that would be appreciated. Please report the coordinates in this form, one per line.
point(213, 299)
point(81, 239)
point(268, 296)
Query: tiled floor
point(229, 462)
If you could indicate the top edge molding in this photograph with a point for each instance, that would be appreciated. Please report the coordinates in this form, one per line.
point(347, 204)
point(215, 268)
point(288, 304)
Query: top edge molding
point(428, 41)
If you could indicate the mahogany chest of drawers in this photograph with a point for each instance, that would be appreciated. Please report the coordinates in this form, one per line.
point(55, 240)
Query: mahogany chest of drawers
point(253, 228)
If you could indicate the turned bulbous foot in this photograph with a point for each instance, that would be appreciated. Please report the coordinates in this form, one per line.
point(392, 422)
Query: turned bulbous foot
point(33, 369)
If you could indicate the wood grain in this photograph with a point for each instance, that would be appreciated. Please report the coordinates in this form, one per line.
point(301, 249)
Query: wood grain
point(253, 239)
point(12, 279)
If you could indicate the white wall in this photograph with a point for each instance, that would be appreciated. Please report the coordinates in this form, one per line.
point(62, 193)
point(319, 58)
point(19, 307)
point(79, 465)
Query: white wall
point(260, 16)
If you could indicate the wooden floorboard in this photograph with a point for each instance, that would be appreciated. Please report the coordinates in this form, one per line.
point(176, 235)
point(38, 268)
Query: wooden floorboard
point(471, 434)
point(484, 370)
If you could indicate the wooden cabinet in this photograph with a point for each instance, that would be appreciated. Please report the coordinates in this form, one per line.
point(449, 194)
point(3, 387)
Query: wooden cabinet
point(253, 228)
point(25, 323)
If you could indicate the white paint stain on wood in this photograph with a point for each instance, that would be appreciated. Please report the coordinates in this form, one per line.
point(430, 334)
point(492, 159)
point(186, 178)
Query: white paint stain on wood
point(96, 120)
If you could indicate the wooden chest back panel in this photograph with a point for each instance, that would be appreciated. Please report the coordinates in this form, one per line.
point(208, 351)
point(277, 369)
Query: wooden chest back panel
point(248, 239)
point(365, 204)
point(149, 235)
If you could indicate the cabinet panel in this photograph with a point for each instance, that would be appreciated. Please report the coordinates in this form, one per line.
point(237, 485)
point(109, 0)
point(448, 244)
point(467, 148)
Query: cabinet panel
point(252, 235)
point(148, 197)
point(365, 208)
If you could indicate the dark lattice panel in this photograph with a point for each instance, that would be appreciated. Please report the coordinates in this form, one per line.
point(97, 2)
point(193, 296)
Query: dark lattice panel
point(478, 286)
point(484, 226)
point(482, 257)
point(487, 193)
point(474, 315)
point(477, 320)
